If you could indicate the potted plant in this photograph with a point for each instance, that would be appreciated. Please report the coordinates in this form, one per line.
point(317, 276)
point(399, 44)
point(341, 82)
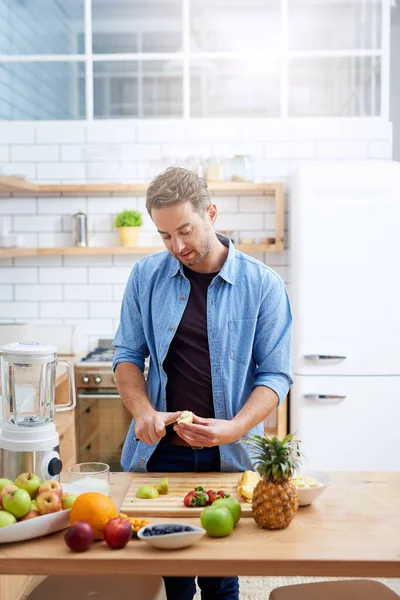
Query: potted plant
point(128, 223)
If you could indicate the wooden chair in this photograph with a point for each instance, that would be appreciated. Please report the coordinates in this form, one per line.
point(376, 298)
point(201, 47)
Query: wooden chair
point(99, 587)
point(358, 589)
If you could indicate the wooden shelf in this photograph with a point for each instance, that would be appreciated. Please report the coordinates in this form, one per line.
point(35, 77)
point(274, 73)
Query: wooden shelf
point(139, 250)
point(11, 186)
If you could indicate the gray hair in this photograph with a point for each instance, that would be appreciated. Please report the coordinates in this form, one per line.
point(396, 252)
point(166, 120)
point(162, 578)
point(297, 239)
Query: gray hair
point(177, 185)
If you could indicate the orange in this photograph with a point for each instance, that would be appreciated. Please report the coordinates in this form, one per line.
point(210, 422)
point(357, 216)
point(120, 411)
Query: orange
point(94, 508)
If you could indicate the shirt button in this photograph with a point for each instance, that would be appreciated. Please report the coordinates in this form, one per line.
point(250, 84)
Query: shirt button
point(183, 297)
point(142, 460)
point(162, 397)
point(170, 328)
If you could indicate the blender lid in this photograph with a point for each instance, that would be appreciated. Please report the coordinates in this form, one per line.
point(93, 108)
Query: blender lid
point(28, 349)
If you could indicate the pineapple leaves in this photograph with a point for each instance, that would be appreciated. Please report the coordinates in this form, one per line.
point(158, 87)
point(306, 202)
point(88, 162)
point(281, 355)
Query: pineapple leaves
point(275, 459)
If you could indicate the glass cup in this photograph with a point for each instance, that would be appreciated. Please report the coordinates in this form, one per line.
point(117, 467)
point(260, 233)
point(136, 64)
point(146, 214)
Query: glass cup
point(90, 477)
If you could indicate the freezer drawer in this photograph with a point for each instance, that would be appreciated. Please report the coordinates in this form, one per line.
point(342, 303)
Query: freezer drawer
point(347, 423)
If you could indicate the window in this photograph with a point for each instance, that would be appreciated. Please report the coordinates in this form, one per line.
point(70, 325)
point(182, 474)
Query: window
point(108, 59)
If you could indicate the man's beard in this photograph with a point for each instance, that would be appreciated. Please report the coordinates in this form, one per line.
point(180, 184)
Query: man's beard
point(201, 254)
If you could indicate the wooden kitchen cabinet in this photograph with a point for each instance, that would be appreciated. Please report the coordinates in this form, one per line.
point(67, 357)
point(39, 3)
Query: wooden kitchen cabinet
point(65, 425)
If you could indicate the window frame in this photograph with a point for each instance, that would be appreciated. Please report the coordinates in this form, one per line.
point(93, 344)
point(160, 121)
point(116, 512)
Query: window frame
point(283, 54)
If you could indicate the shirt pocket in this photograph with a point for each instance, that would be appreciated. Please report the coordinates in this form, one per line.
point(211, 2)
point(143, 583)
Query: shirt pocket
point(241, 337)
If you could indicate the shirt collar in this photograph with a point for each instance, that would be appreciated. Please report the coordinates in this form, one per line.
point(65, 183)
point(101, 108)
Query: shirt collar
point(228, 271)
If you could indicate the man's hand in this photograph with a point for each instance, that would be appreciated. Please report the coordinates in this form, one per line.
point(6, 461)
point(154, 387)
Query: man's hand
point(150, 427)
point(209, 432)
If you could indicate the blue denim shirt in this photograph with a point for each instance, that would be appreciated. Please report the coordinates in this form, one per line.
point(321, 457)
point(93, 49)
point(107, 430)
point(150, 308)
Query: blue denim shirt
point(249, 334)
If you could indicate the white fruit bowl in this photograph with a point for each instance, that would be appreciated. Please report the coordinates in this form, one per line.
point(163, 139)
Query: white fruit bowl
point(309, 495)
point(39, 526)
point(172, 541)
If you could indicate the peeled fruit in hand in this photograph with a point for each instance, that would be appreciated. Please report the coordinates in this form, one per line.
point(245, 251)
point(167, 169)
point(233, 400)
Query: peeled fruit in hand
point(147, 492)
point(48, 502)
point(5, 490)
point(79, 536)
point(67, 500)
point(17, 502)
point(30, 482)
point(186, 417)
point(232, 505)
point(6, 518)
point(163, 486)
point(51, 485)
point(218, 522)
point(117, 533)
point(94, 508)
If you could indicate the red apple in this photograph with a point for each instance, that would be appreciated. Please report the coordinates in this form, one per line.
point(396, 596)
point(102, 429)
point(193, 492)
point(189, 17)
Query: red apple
point(79, 536)
point(51, 485)
point(31, 515)
point(67, 500)
point(5, 490)
point(48, 502)
point(117, 532)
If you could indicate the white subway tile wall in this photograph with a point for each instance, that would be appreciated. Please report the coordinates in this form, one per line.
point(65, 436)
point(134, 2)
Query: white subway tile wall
point(87, 290)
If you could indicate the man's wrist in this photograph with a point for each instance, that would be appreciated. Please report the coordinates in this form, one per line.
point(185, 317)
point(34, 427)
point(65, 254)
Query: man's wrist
point(239, 428)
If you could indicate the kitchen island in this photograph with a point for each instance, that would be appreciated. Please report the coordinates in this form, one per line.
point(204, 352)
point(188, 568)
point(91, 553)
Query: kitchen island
point(352, 530)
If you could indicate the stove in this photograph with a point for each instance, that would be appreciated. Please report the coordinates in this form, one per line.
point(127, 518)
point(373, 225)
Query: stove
point(102, 419)
point(95, 369)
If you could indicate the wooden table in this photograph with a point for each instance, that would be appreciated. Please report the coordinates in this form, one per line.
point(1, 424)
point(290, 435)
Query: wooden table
point(353, 530)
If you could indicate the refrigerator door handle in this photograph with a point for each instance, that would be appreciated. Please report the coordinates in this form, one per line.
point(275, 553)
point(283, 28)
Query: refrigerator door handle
point(323, 357)
point(324, 397)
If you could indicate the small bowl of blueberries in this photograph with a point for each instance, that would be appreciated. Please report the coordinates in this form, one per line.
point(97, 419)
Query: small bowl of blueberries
point(170, 536)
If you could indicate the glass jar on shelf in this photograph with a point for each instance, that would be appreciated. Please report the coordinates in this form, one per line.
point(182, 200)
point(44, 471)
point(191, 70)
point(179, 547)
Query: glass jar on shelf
point(214, 170)
point(242, 168)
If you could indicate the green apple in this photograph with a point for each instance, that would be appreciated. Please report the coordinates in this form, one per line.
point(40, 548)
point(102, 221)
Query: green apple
point(5, 490)
point(30, 482)
point(4, 482)
point(218, 522)
point(17, 502)
point(67, 500)
point(232, 505)
point(33, 505)
point(6, 518)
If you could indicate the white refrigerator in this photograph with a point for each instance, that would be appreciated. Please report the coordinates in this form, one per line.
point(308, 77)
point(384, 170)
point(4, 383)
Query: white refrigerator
point(345, 400)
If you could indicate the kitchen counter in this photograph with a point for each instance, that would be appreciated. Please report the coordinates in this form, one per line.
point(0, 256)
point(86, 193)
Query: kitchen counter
point(353, 530)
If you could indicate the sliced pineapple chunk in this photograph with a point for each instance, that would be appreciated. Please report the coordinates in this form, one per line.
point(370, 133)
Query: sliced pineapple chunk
point(246, 484)
point(303, 483)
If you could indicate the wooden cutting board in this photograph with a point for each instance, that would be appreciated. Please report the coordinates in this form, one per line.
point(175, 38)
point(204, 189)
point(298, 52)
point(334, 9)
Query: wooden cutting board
point(171, 505)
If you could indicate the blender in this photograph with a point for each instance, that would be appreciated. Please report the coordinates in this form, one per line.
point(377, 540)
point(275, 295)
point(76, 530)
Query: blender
point(29, 441)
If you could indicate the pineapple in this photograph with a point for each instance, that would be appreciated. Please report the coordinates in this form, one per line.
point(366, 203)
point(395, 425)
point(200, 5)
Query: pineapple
point(275, 499)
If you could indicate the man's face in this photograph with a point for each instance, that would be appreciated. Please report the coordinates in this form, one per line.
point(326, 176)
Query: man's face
point(187, 235)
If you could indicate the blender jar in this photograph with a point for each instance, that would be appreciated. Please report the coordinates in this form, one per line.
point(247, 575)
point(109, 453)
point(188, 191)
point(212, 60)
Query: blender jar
point(28, 372)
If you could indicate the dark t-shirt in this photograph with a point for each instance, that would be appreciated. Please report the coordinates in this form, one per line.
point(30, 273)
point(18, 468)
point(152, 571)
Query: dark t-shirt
point(188, 360)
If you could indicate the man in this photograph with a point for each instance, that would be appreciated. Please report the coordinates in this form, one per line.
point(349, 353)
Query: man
point(217, 326)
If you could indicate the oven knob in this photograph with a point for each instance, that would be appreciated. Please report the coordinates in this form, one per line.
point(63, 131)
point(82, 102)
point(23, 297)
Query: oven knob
point(85, 379)
point(97, 379)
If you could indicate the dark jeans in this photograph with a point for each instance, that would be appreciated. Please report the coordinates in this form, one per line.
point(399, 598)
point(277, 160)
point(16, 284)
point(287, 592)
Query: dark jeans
point(180, 459)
